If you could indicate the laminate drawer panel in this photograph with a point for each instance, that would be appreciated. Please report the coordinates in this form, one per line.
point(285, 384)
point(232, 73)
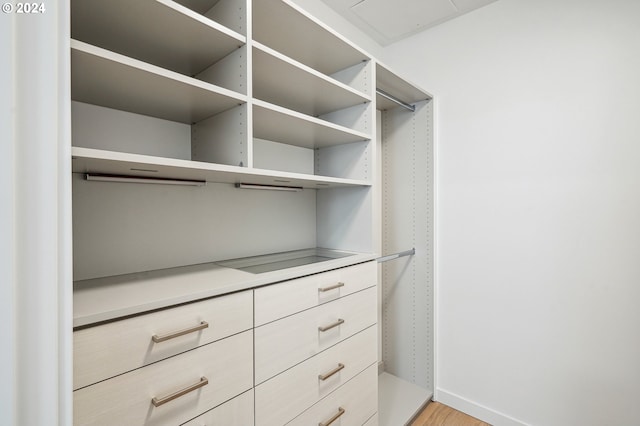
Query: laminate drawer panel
point(237, 412)
point(127, 399)
point(110, 349)
point(279, 300)
point(288, 341)
point(357, 400)
point(286, 395)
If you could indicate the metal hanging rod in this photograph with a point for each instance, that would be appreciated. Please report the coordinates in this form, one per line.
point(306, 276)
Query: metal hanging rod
point(396, 255)
point(392, 98)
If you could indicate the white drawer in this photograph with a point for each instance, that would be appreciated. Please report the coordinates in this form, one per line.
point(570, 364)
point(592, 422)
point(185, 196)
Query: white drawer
point(279, 300)
point(286, 395)
point(237, 412)
point(108, 350)
point(286, 342)
point(357, 400)
point(127, 399)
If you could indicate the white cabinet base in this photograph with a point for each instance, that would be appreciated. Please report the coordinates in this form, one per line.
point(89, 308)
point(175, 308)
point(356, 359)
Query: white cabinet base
point(399, 401)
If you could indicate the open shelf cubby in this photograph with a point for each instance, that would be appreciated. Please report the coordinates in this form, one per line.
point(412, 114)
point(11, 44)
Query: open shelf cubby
point(211, 38)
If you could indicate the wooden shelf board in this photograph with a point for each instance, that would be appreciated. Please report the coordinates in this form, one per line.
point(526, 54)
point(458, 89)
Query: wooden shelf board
point(399, 401)
point(285, 82)
point(100, 299)
point(166, 33)
point(87, 160)
point(398, 87)
point(105, 78)
point(286, 28)
point(279, 124)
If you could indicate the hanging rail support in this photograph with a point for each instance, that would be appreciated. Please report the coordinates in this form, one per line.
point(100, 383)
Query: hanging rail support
point(392, 98)
point(396, 255)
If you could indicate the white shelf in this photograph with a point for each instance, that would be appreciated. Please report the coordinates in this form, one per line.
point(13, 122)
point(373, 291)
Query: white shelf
point(161, 32)
point(87, 160)
point(286, 28)
point(399, 401)
point(101, 299)
point(397, 87)
point(279, 124)
point(104, 78)
point(288, 83)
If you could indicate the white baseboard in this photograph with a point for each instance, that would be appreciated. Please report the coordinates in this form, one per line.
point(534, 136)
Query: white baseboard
point(478, 411)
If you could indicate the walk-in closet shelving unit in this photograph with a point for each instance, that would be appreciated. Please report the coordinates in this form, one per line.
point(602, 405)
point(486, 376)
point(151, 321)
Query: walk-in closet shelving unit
point(124, 59)
point(226, 92)
point(405, 145)
point(213, 105)
point(305, 68)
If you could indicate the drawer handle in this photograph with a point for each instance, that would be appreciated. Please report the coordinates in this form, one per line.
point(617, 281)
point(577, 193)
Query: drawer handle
point(160, 401)
point(201, 326)
point(331, 287)
point(330, 373)
point(335, 417)
point(330, 326)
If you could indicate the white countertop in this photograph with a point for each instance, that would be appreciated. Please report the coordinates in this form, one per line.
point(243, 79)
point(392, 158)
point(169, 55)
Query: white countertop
point(103, 299)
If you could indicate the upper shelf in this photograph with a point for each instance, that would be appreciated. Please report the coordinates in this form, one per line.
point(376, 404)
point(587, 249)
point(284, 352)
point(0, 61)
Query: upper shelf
point(390, 83)
point(87, 160)
point(101, 77)
point(288, 83)
point(288, 29)
point(279, 124)
point(161, 32)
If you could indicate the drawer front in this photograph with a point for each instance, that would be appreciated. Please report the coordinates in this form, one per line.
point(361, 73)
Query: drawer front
point(107, 350)
point(237, 412)
point(286, 342)
point(286, 395)
point(127, 399)
point(280, 300)
point(355, 403)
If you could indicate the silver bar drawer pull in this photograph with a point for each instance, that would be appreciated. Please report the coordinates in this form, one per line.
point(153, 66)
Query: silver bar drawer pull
point(331, 373)
point(330, 326)
point(160, 401)
point(201, 326)
point(334, 418)
point(331, 287)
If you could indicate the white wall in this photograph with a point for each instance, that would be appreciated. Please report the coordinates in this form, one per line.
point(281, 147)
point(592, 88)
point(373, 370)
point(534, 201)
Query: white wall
point(35, 219)
point(7, 242)
point(539, 208)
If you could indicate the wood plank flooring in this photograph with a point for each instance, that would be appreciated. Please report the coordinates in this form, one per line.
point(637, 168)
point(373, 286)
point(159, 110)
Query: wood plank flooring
point(436, 414)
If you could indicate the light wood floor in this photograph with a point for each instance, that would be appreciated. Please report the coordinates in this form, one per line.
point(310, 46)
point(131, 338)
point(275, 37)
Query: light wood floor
point(436, 414)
